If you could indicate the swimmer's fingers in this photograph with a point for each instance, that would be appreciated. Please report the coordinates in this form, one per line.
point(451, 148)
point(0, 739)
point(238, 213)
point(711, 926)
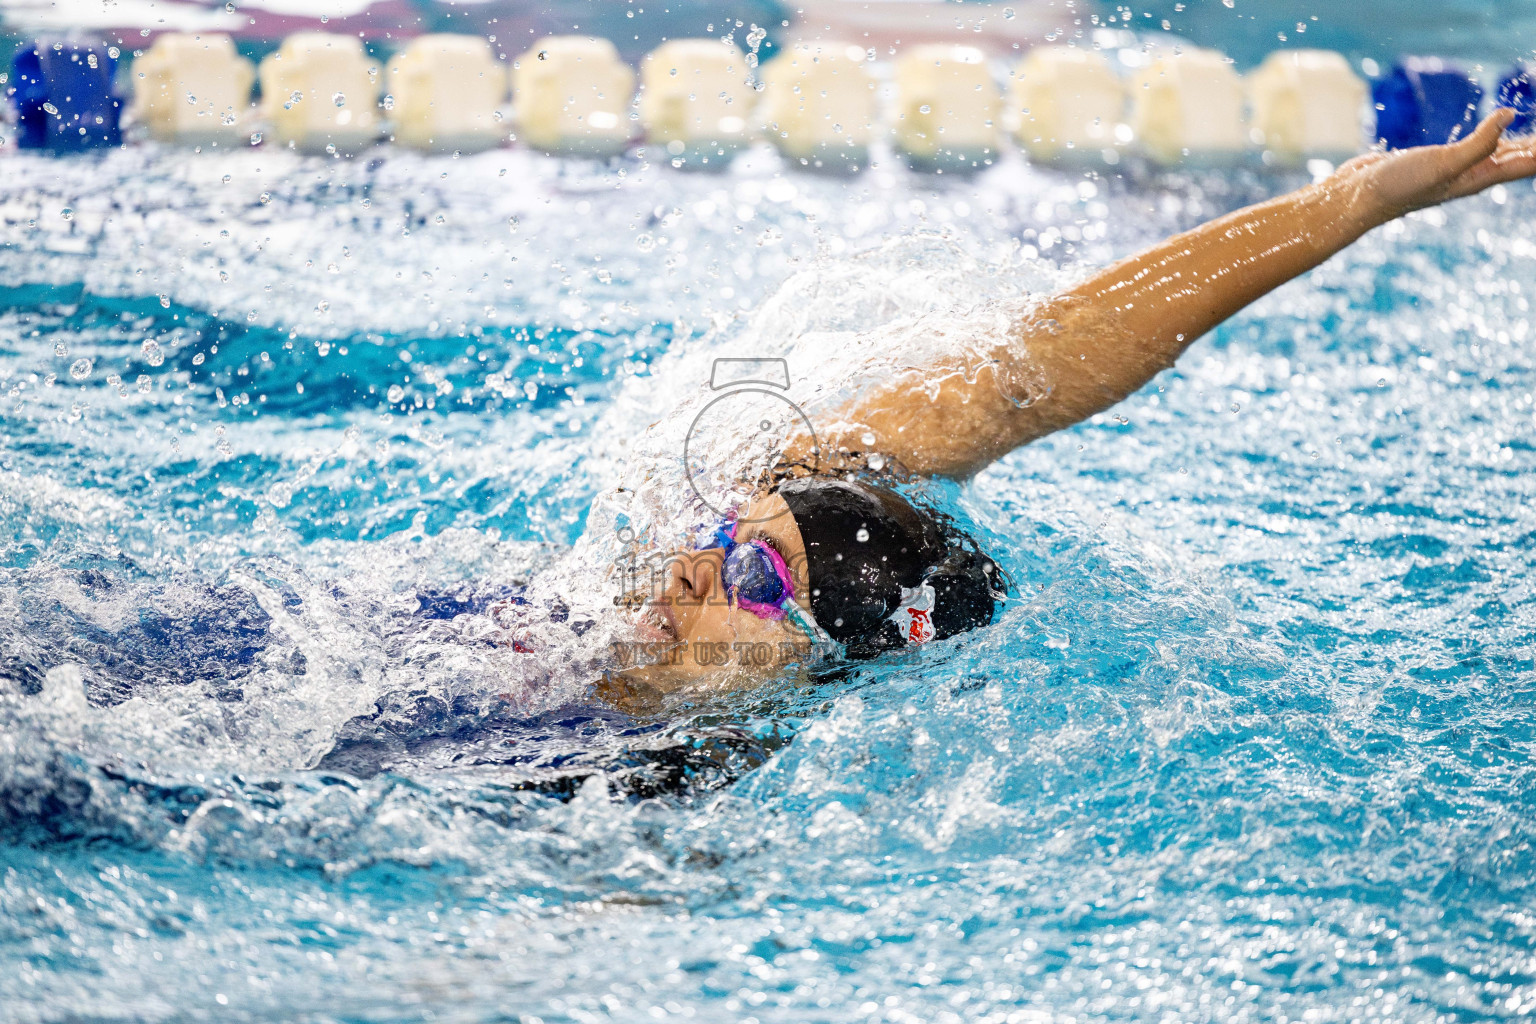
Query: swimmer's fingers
point(1403, 180)
point(1513, 160)
point(1480, 145)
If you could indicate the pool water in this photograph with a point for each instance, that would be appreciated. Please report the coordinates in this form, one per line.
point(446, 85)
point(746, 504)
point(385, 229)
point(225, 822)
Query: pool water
point(1252, 740)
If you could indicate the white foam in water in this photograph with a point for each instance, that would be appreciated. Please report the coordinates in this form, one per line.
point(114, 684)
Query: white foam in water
point(1255, 711)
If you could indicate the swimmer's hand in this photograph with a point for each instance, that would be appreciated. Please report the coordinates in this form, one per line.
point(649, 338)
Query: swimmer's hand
point(1393, 183)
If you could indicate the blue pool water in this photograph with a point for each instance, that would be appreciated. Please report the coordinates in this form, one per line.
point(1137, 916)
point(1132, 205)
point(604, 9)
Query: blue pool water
point(1252, 740)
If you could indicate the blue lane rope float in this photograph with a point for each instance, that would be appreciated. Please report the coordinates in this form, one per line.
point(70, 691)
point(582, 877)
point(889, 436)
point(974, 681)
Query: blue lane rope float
point(64, 97)
point(1518, 92)
point(1424, 101)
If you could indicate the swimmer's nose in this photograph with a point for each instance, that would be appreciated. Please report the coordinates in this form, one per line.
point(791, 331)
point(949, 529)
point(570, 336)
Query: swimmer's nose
point(695, 576)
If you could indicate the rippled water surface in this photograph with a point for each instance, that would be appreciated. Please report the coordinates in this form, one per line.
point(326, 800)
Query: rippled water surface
point(1252, 741)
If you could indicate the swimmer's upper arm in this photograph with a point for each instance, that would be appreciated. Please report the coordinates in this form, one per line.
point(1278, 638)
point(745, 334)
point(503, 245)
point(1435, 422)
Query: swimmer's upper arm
point(1082, 351)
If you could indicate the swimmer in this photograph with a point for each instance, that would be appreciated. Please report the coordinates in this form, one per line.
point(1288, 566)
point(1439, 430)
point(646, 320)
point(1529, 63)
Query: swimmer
point(843, 567)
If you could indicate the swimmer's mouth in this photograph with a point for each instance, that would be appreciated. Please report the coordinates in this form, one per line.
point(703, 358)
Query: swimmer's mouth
point(657, 624)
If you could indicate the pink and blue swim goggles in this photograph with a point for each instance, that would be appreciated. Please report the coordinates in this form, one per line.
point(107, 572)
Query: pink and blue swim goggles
point(757, 579)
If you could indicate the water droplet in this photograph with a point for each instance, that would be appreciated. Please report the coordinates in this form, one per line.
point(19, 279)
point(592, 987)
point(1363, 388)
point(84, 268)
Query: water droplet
point(255, 138)
point(395, 393)
point(51, 109)
point(339, 99)
point(1008, 13)
point(153, 354)
point(113, 380)
point(229, 8)
point(876, 461)
point(543, 55)
point(60, 349)
point(264, 198)
point(645, 243)
point(165, 302)
point(925, 109)
point(1227, 3)
point(388, 101)
point(80, 369)
point(144, 383)
point(862, 536)
point(197, 360)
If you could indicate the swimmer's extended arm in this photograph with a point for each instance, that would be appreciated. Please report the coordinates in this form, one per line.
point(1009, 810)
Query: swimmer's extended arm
point(1090, 347)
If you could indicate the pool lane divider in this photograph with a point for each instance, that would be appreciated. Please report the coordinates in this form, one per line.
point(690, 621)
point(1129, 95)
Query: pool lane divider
point(948, 109)
point(573, 96)
point(1517, 90)
point(696, 100)
point(821, 104)
point(444, 93)
point(1422, 101)
point(64, 96)
point(1189, 107)
point(192, 90)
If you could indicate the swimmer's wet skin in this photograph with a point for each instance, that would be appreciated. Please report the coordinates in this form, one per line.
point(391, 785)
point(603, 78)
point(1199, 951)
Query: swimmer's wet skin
point(876, 572)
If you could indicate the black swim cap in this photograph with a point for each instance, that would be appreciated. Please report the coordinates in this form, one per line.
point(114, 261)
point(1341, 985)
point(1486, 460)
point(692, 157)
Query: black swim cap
point(868, 547)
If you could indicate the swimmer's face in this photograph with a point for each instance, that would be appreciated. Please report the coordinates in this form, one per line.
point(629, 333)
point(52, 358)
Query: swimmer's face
point(692, 634)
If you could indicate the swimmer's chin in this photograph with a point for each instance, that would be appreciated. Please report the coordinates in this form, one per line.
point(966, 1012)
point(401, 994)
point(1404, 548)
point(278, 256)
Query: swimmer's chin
point(653, 690)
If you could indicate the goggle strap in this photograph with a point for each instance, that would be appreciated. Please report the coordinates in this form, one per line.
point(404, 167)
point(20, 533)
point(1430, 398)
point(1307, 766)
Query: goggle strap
point(825, 646)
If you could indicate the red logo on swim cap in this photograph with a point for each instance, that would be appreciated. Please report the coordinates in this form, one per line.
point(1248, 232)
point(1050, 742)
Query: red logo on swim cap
point(915, 615)
point(920, 628)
